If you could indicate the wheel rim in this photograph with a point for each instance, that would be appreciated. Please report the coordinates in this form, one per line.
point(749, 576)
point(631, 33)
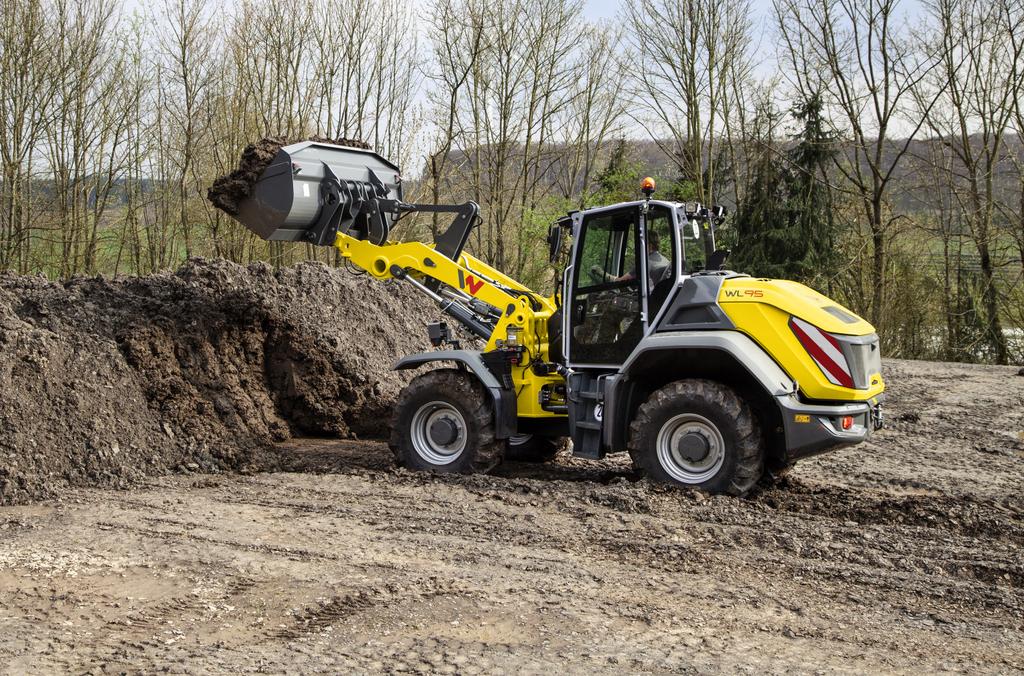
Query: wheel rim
point(438, 433)
point(519, 439)
point(690, 448)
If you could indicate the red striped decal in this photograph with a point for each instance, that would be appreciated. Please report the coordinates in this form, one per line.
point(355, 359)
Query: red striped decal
point(838, 374)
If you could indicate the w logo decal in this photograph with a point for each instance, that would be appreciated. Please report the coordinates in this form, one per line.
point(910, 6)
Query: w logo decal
point(470, 283)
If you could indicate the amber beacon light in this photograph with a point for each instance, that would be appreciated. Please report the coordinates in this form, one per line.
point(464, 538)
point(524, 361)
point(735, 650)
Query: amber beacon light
point(647, 186)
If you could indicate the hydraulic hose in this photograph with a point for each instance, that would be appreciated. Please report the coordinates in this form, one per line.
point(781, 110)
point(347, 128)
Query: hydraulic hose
point(459, 312)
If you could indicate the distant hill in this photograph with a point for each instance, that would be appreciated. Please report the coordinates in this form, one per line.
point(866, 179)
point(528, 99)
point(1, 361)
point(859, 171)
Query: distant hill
point(912, 187)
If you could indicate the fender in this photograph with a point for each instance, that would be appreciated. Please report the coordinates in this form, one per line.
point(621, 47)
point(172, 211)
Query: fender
point(504, 399)
point(743, 351)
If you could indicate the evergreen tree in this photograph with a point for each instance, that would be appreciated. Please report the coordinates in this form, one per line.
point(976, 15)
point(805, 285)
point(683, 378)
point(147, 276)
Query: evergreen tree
point(809, 198)
point(785, 227)
point(620, 178)
point(762, 243)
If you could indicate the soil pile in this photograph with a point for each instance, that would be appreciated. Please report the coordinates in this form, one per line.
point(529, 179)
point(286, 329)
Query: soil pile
point(228, 190)
point(106, 381)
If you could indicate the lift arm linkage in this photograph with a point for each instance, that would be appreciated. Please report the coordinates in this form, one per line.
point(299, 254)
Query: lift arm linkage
point(468, 280)
point(485, 301)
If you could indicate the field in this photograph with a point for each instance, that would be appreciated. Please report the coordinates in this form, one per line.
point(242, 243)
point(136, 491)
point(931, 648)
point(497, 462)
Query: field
point(904, 554)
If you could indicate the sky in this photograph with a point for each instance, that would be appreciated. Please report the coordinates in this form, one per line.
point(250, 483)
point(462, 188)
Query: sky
point(608, 9)
point(763, 27)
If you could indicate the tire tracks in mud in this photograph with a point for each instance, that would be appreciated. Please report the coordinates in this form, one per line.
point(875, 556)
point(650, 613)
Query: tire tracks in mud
point(894, 546)
point(157, 616)
point(908, 535)
point(317, 617)
point(283, 551)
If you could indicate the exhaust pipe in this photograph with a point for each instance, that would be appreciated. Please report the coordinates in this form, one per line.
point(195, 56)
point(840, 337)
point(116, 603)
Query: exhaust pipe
point(311, 191)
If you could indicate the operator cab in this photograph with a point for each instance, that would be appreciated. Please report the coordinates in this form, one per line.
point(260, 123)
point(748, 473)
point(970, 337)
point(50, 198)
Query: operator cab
point(627, 260)
point(633, 269)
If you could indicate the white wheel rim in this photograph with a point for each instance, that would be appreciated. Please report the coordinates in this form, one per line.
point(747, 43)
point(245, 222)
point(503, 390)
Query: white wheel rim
point(689, 466)
point(519, 439)
point(422, 441)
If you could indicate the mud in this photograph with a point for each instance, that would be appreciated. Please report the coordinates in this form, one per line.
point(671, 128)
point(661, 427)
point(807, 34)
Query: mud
point(105, 382)
point(227, 191)
point(900, 555)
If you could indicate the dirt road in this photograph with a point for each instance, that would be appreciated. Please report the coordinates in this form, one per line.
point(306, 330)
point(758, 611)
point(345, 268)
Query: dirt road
point(904, 554)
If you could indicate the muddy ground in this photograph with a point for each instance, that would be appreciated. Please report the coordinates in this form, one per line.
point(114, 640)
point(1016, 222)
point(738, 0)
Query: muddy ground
point(904, 554)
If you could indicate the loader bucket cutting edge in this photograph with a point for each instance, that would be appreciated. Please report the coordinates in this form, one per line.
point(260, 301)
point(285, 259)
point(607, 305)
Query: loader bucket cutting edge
point(292, 200)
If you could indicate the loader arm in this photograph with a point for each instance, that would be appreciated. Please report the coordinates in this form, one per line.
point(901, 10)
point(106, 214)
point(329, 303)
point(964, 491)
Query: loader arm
point(468, 277)
point(508, 316)
point(351, 199)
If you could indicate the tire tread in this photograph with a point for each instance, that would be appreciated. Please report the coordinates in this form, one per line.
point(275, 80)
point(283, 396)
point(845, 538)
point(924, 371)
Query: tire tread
point(464, 388)
point(749, 446)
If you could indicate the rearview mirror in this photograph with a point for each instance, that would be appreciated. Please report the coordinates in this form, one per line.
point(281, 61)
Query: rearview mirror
point(554, 242)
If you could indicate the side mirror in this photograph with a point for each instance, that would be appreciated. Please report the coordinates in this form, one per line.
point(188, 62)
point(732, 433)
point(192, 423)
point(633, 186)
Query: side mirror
point(554, 242)
point(696, 229)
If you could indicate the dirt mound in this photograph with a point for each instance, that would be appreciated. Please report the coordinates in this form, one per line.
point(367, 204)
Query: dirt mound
point(227, 191)
point(106, 381)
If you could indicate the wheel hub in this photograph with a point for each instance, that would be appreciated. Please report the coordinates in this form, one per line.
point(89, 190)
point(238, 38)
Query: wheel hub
point(690, 448)
point(693, 447)
point(438, 432)
point(444, 431)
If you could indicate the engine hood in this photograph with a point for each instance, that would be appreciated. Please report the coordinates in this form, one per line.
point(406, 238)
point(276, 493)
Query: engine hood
point(762, 308)
point(794, 299)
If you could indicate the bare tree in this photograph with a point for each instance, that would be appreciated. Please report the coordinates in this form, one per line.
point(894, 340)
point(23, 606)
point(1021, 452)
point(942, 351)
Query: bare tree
point(859, 55)
point(457, 31)
point(188, 55)
point(595, 109)
point(86, 128)
point(25, 81)
point(686, 55)
point(979, 43)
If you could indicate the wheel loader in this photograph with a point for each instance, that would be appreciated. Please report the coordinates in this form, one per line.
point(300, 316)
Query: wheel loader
point(708, 378)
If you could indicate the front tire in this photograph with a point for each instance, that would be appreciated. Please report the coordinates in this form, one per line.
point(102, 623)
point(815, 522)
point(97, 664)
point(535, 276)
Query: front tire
point(698, 434)
point(444, 422)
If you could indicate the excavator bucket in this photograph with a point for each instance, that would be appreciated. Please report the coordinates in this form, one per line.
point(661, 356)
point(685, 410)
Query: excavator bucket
point(311, 191)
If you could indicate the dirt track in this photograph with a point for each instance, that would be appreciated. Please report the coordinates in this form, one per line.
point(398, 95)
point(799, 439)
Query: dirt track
point(905, 554)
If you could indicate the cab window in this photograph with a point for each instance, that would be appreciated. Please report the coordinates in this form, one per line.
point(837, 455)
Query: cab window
point(604, 319)
point(660, 258)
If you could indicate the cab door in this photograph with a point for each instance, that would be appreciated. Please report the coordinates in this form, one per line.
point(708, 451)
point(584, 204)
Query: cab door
point(605, 307)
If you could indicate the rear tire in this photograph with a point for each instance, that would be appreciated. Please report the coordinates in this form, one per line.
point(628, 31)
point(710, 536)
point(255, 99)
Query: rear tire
point(533, 448)
point(444, 422)
point(698, 434)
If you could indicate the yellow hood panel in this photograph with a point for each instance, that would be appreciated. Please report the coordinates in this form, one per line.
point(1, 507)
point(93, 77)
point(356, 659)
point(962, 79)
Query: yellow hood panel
point(795, 299)
point(761, 308)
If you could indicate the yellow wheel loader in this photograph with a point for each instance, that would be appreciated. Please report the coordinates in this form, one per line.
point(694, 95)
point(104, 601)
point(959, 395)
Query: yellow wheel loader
point(708, 378)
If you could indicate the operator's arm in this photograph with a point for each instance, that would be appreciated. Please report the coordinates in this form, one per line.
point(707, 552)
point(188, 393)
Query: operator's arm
point(598, 272)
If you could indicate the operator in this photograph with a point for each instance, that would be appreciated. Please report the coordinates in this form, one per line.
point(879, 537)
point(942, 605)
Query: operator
point(657, 264)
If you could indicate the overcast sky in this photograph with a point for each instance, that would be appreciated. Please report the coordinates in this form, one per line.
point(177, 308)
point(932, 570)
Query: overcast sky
point(763, 27)
point(607, 9)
